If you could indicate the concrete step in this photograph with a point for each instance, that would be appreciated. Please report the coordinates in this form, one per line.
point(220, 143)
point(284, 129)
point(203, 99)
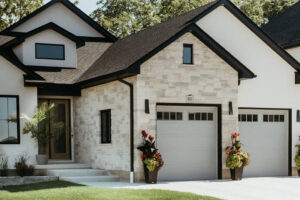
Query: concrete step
point(63, 166)
point(82, 179)
point(76, 172)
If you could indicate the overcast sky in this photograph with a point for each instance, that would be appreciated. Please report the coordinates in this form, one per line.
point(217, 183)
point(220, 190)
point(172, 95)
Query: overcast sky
point(86, 6)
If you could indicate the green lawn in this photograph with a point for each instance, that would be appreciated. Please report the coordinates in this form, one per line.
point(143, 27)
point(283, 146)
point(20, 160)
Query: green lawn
point(68, 191)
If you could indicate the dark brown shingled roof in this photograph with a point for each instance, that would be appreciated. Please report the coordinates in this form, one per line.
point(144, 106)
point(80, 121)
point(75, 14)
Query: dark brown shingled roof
point(4, 39)
point(125, 52)
point(285, 28)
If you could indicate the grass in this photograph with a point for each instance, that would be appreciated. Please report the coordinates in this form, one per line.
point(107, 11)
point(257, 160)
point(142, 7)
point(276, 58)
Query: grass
point(60, 190)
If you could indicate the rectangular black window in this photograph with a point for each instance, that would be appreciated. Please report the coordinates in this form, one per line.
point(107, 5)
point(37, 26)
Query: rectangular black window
point(9, 120)
point(105, 126)
point(50, 51)
point(187, 54)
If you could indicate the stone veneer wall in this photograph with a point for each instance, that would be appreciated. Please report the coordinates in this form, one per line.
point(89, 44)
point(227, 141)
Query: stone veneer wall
point(164, 79)
point(88, 147)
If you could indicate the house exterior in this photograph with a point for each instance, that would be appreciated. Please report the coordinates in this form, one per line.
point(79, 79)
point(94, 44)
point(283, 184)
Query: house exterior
point(190, 81)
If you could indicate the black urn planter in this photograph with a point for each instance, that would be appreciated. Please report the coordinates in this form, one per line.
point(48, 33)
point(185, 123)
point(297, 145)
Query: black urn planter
point(299, 172)
point(151, 177)
point(237, 173)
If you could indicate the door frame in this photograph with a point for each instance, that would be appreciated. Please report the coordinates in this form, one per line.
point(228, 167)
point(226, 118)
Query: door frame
point(70, 123)
point(290, 130)
point(219, 128)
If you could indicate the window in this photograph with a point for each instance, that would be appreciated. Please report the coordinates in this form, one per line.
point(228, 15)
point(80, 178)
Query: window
point(273, 118)
point(201, 116)
point(187, 54)
point(50, 51)
point(248, 118)
point(105, 126)
point(9, 120)
point(172, 116)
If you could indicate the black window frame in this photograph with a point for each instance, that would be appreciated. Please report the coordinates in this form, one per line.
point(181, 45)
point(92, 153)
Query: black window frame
point(47, 44)
point(18, 119)
point(106, 139)
point(192, 54)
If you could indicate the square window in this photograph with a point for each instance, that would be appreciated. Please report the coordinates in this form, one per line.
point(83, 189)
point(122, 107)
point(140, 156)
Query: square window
point(173, 116)
point(244, 118)
point(191, 116)
point(266, 118)
point(166, 115)
point(255, 118)
point(210, 116)
point(271, 118)
point(276, 118)
point(187, 54)
point(159, 115)
point(249, 118)
point(203, 116)
point(198, 116)
point(179, 116)
point(281, 118)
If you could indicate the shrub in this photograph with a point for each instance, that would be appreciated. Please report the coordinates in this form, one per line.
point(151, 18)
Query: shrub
point(235, 156)
point(151, 157)
point(3, 165)
point(22, 168)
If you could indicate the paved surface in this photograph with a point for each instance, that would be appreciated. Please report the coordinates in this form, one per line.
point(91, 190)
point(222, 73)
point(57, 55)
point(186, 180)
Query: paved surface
point(281, 188)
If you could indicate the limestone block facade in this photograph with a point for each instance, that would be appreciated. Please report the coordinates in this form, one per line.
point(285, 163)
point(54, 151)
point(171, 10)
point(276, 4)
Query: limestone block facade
point(163, 79)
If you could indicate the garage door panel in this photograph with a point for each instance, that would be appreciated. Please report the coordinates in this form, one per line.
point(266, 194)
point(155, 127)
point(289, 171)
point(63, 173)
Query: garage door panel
point(266, 142)
point(189, 147)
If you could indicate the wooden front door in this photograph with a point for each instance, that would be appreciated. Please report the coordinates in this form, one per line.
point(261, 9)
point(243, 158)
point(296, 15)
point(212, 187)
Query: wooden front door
point(59, 146)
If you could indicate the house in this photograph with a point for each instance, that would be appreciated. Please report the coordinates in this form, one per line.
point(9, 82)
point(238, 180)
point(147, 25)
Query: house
point(190, 81)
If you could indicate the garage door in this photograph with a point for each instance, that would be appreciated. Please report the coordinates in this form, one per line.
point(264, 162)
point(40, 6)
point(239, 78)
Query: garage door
point(265, 137)
point(187, 140)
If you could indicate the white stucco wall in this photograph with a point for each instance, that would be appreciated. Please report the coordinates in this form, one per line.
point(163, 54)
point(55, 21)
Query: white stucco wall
point(26, 51)
point(275, 85)
point(12, 83)
point(295, 52)
point(63, 17)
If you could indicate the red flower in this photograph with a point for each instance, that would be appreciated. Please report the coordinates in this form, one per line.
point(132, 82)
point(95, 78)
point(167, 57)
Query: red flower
point(144, 133)
point(227, 152)
point(235, 135)
point(142, 156)
point(151, 137)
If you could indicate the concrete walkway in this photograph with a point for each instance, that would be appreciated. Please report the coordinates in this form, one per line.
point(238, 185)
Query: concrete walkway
point(281, 188)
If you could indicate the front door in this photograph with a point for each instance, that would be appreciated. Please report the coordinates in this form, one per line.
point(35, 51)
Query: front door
point(59, 146)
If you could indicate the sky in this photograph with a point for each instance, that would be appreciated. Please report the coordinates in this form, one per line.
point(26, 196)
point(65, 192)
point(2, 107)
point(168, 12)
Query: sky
point(87, 6)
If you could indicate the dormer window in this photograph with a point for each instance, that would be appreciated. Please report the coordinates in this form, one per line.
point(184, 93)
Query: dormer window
point(50, 51)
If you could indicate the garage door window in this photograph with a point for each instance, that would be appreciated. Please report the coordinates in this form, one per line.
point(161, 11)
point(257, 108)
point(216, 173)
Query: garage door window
point(248, 118)
point(201, 117)
point(169, 116)
point(273, 118)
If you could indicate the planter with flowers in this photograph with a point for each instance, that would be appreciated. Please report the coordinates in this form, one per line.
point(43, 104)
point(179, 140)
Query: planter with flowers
point(151, 158)
point(236, 159)
point(297, 157)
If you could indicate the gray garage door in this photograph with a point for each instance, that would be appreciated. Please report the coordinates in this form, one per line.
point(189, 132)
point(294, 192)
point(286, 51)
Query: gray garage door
point(187, 140)
point(265, 137)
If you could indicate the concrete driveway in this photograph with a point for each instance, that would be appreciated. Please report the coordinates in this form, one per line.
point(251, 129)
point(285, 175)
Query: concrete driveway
point(281, 188)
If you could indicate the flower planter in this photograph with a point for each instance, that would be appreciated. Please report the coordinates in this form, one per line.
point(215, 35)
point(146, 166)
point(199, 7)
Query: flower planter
point(151, 177)
point(237, 173)
point(42, 159)
point(299, 173)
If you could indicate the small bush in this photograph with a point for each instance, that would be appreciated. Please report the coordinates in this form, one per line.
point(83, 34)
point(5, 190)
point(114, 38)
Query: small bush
point(3, 165)
point(22, 168)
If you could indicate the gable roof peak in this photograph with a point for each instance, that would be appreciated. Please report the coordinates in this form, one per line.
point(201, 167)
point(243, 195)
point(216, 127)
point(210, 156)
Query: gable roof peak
point(71, 7)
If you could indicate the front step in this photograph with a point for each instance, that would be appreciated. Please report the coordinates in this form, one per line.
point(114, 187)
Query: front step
point(76, 172)
point(84, 179)
point(63, 166)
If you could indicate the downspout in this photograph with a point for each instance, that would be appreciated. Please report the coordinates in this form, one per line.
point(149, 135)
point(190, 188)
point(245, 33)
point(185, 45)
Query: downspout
point(131, 130)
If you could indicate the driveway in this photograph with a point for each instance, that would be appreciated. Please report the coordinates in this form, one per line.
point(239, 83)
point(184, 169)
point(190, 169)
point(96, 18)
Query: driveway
point(281, 188)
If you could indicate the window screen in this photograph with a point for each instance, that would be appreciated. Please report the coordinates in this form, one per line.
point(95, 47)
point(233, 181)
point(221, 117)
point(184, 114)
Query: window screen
point(105, 126)
point(50, 51)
